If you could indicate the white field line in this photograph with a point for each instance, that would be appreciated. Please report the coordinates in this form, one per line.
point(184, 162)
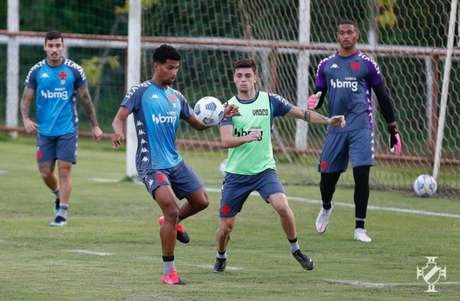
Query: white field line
point(2, 172)
point(89, 252)
point(370, 207)
point(102, 180)
point(367, 284)
point(339, 204)
point(210, 267)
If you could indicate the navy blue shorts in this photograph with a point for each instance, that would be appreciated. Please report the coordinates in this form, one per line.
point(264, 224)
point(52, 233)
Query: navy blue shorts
point(52, 148)
point(356, 146)
point(182, 178)
point(236, 189)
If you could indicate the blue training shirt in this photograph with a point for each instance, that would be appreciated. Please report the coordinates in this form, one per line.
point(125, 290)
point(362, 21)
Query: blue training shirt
point(156, 111)
point(55, 89)
point(279, 106)
point(348, 82)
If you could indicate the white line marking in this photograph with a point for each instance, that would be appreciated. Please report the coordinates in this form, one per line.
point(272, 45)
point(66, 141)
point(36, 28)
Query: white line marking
point(102, 180)
point(88, 252)
point(210, 267)
point(383, 284)
point(2, 172)
point(377, 208)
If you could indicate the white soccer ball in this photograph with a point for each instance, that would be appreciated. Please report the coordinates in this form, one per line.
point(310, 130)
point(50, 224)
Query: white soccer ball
point(222, 166)
point(209, 111)
point(425, 185)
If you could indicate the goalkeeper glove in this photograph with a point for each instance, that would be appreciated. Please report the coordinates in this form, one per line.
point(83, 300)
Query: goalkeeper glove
point(312, 100)
point(395, 140)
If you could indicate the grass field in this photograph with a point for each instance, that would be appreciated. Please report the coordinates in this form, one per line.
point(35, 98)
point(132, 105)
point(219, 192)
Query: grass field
point(110, 248)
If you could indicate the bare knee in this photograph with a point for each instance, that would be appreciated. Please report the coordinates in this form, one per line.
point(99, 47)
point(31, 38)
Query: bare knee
point(226, 226)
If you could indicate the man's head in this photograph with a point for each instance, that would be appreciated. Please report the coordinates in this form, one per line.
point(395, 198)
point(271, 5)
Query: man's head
point(54, 47)
point(166, 61)
point(348, 34)
point(245, 75)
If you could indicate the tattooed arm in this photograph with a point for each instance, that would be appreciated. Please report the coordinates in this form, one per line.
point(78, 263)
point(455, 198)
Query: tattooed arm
point(85, 98)
point(314, 117)
point(27, 98)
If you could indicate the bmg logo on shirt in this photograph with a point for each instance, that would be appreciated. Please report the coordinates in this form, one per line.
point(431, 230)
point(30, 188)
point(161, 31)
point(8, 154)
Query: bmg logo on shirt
point(47, 94)
point(344, 84)
point(171, 118)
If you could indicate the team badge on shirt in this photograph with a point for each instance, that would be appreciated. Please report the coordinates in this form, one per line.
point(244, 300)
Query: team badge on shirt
point(173, 99)
point(62, 76)
point(355, 66)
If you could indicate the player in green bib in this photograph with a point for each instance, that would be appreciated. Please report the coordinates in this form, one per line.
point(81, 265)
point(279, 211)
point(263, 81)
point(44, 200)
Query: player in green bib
point(250, 163)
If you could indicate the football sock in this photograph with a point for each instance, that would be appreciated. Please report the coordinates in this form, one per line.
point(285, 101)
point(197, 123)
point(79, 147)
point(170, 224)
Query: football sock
point(168, 264)
point(361, 195)
point(327, 187)
point(294, 244)
point(62, 211)
point(359, 223)
point(221, 255)
point(56, 193)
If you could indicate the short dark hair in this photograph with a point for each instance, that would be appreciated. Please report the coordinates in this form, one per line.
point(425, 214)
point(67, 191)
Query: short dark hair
point(53, 34)
point(348, 22)
point(165, 52)
point(245, 63)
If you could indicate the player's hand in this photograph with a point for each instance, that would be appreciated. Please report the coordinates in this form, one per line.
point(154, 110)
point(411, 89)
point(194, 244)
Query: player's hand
point(312, 100)
point(97, 133)
point(395, 140)
point(337, 120)
point(254, 135)
point(118, 139)
point(30, 126)
point(231, 110)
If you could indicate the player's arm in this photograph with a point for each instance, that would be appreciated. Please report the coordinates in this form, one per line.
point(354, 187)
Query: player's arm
point(387, 110)
point(316, 100)
point(118, 125)
point(229, 141)
point(27, 98)
point(85, 98)
point(314, 117)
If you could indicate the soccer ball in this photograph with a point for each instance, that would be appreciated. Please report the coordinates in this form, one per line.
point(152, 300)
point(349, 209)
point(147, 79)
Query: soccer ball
point(425, 185)
point(209, 111)
point(222, 166)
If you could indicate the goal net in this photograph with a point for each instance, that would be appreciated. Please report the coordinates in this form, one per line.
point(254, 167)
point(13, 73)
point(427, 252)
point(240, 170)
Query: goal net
point(287, 38)
point(408, 45)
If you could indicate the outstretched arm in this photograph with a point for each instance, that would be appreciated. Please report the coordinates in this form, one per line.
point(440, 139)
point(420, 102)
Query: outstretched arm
point(85, 98)
point(314, 117)
point(27, 98)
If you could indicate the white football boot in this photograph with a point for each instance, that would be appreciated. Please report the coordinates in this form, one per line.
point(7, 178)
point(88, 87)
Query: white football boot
point(361, 235)
point(322, 220)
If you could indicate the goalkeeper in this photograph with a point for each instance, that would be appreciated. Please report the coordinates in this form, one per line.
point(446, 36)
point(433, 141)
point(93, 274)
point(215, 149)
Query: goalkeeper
point(251, 166)
point(347, 77)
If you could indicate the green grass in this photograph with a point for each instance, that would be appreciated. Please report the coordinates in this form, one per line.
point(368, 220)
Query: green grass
point(40, 263)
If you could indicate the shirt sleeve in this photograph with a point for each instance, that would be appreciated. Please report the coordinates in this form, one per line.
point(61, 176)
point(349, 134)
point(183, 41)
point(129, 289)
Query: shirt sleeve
point(132, 99)
point(279, 105)
point(374, 77)
point(31, 81)
point(186, 110)
point(320, 78)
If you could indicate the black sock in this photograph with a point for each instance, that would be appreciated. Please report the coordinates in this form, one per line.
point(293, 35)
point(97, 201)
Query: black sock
point(327, 188)
point(361, 195)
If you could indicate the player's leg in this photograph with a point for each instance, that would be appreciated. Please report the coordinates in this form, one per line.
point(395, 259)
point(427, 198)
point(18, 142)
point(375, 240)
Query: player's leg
point(226, 226)
point(66, 148)
point(333, 162)
point(279, 202)
point(185, 184)
point(166, 200)
point(362, 157)
point(235, 191)
point(272, 191)
point(46, 160)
